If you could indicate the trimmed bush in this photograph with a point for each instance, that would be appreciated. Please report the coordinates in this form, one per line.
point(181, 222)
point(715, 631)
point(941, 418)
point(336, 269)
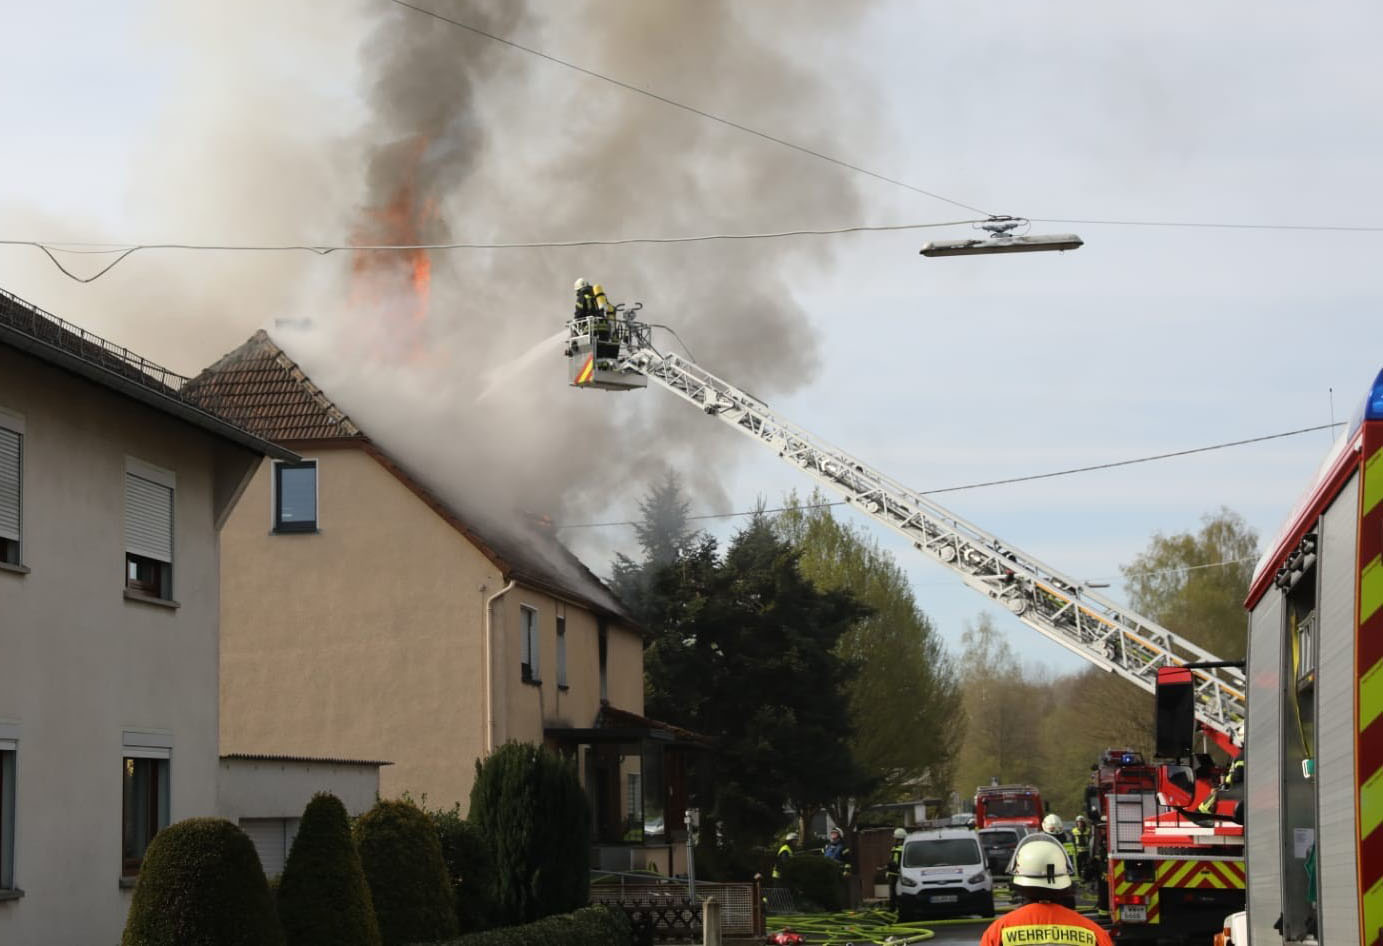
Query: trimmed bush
point(408, 881)
point(816, 880)
point(472, 870)
point(528, 803)
point(201, 884)
point(323, 898)
point(589, 926)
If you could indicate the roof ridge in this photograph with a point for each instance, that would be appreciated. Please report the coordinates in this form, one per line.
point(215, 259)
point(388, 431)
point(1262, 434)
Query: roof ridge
point(296, 372)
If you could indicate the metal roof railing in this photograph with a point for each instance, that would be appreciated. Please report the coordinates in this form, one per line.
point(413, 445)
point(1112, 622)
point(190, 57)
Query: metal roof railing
point(49, 329)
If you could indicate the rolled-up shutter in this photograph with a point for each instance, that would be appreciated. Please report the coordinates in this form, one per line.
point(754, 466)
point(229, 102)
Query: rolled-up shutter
point(148, 519)
point(9, 484)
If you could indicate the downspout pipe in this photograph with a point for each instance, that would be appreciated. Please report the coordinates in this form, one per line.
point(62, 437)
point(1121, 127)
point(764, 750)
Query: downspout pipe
point(490, 666)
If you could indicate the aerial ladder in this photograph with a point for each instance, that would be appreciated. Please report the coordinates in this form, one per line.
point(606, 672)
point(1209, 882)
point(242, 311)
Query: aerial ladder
point(613, 351)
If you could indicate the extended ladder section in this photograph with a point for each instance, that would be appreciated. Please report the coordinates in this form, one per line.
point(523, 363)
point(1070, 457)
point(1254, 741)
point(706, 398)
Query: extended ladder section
point(1098, 629)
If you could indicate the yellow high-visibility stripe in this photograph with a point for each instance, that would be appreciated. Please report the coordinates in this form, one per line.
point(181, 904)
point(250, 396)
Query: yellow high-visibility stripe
point(587, 370)
point(1373, 480)
point(1370, 695)
point(1371, 804)
point(1370, 589)
point(1373, 908)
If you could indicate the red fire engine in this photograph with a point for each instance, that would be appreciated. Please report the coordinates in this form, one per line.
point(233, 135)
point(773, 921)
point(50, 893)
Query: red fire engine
point(1166, 868)
point(1008, 804)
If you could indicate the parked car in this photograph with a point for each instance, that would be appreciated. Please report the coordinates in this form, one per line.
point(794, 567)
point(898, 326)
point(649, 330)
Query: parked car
point(998, 845)
point(944, 872)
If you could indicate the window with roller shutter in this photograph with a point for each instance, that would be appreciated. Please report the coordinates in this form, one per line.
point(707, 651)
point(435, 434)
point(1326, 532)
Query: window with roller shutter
point(11, 458)
point(148, 530)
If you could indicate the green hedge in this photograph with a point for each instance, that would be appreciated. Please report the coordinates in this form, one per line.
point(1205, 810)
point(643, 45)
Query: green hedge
point(201, 885)
point(528, 803)
point(471, 866)
point(815, 880)
point(402, 858)
point(323, 898)
point(589, 926)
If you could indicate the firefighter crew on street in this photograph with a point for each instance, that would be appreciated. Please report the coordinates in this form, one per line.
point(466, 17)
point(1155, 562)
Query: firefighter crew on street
point(1080, 834)
point(785, 852)
point(836, 850)
point(895, 866)
point(1041, 873)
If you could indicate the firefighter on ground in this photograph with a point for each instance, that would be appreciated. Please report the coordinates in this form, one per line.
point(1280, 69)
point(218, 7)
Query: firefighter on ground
point(1053, 825)
point(1080, 834)
point(1042, 875)
point(895, 866)
point(836, 850)
point(785, 852)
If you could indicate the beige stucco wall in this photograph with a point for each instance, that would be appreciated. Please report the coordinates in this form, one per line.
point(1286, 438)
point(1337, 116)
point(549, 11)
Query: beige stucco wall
point(529, 707)
point(79, 664)
point(366, 640)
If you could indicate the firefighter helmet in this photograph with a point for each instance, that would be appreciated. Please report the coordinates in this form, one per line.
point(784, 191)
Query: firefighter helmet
point(581, 284)
point(899, 834)
point(792, 836)
point(1052, 823)
point(1080, 819)
point(1040, 861)
point(1239, 734)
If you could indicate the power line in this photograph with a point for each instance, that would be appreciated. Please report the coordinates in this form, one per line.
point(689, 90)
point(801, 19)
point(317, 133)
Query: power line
point(124, 250)
point(689, 108)
point(1200, 224)
point(1004, 482)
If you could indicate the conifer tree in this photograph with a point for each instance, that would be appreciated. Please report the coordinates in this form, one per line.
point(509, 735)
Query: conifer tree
point(323, 898)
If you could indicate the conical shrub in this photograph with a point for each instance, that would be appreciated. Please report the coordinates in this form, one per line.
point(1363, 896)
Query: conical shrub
point(323, 898)
point(528, 802)
point(201, 884)
point(408, 880)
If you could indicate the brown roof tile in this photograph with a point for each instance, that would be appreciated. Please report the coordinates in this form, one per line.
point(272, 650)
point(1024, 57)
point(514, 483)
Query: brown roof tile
point(259, 387)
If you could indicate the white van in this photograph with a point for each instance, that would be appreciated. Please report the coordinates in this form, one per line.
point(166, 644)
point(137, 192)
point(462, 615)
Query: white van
point(944, 872)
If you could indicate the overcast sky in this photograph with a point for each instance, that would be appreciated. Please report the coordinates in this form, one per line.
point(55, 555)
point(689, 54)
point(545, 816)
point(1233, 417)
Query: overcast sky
point(128, 122)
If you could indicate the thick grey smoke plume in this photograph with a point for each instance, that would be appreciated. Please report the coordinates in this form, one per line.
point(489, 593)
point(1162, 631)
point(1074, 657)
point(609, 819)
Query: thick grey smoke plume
point(493, 143)
point(381, 125)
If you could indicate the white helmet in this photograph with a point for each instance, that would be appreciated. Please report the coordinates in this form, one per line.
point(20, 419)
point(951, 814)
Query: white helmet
point(1052, 823)
point(899, 834)
point(792, 836)
point(581, 284)
point(1239, 734)
point(1040, 861)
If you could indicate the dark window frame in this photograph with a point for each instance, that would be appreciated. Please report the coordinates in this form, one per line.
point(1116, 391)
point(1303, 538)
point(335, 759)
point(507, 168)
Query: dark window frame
point(134, 843)
point(295, 526)
point(8, 779)
point(149, 576)
point(530, 664)
point(562, 681)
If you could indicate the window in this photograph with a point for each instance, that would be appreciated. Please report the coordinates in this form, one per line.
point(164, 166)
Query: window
point(8, 752)
point(604, 635)
point(145, 777)
point(148, 529)
point(528, 627)
point(11, 456)
point(295, 496)
point(562, 652)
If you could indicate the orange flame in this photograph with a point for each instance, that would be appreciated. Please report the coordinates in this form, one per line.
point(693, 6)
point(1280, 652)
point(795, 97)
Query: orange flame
point(380, 278)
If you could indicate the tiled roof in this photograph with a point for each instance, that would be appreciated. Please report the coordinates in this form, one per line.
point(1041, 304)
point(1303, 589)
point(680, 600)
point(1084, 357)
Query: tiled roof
point(259, 387)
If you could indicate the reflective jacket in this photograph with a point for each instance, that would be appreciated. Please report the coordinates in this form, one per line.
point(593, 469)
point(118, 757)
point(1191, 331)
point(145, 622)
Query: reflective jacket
point(1044, 924)
point(895, 860)
point(784, 852)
